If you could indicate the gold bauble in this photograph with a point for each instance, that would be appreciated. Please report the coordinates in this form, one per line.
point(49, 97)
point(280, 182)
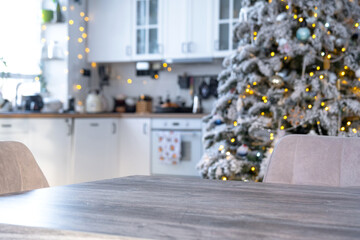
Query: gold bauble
point(276, 81)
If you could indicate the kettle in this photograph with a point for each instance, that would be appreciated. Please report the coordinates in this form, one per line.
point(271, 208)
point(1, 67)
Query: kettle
point(94, 103)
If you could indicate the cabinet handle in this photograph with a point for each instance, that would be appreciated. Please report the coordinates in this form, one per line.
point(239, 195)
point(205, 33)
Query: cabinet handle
point(94, 124)
point(190, 47)
point(70, 126)
point(128, 50)
point(216, 45)
point(114, 128)
point(6, 125)
point(145, 128)
point(176, 124)
point(184, 47)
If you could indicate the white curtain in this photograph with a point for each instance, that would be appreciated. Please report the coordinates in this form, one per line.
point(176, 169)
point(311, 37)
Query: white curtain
point(20, 43)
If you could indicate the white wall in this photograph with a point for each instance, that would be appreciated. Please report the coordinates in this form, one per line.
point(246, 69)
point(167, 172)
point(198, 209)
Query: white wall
point(166, 84)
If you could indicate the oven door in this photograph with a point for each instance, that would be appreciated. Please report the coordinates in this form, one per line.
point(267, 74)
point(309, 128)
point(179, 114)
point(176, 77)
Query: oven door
point(191, 151)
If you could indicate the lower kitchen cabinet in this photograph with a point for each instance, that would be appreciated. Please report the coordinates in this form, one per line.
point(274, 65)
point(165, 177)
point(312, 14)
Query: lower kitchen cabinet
point(50, 143)
point(14, 130)
point(134, 146)
point(95, 143)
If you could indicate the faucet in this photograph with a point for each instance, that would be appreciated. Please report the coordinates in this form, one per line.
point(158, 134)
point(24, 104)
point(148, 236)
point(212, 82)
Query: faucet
point(16, 106)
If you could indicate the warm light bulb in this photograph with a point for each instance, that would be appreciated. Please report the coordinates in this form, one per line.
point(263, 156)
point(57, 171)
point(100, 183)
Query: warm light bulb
point(82, 14)
point(318, 68)
point(315, 14)
point(322, 104)
point(87, 50)
point(80, 56)
point(235, 123)
point(221, 147)
point(93, 64)
point(313, 36)
point(285, 117)
point(329, 56)
point(307, 89)
point(129, 81)
point(354, 130)
point(356, 24)
point(343, 49)
point(301, 19)
point(262, 113)
point(84, 35)
point(80, 40)
point(309, 106)
point(255, 33)
point(169, 69)
point(86, 19)
point(321, 77)
point(78, 87)
point(165, 65)
point(282, 127)
point(342, 129)
point(286, 90)
point(295, 16)
point(313, 25)
point(326, 108)
point(81, 29)
point(311, 74)
point(348, 123)
point(253, 169)
point(64, 8)
point(71, 22)
point(272, 54)
point(156, 76)
point(254, 83)
point(232, 140)
point(224, 178)
point(342, 73)
point(285, 58)
point(287, 7)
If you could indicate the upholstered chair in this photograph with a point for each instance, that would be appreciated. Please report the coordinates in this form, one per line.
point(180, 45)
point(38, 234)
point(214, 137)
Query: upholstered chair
point(18, 169)
point(315, 160)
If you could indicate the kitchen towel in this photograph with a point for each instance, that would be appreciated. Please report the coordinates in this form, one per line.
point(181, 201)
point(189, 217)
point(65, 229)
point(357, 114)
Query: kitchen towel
point(169, 143)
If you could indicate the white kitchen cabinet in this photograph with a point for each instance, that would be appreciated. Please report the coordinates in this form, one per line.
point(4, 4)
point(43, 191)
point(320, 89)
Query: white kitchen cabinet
point(134, 146)
point(95, 146)
point(14, 130)
point(110, 30)
point(50, 143)
point(226, 14)
point(147, 29)
point(188, 26)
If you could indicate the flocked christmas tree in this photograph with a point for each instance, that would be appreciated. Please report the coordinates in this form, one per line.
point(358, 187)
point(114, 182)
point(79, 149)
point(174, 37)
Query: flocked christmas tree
point(296, 71)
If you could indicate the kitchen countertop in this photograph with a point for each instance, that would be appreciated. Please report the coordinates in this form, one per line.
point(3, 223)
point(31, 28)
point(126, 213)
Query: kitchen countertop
point(99, 115)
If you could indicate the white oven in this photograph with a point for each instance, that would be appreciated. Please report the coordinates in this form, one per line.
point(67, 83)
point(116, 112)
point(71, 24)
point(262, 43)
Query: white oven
point(190, 134)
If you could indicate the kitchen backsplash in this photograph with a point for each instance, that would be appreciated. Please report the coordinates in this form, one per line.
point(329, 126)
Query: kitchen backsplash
point(166, 84)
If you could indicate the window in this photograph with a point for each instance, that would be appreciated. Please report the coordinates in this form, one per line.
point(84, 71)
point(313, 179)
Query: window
point(20, 44)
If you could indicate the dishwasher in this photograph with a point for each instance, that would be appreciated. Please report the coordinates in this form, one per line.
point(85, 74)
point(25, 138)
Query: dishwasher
point(190, 132)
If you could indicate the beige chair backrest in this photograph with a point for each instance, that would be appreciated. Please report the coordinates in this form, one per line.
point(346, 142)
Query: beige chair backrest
point(18, 169)
point(315, 160)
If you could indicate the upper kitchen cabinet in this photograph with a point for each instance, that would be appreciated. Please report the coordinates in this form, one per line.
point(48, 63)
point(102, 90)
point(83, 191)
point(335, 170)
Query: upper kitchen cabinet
point(188, 28)
point(147, 29)
point(109, 30)
point(226, 14)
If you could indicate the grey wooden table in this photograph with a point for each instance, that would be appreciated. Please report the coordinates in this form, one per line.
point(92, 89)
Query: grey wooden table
point(186, 208)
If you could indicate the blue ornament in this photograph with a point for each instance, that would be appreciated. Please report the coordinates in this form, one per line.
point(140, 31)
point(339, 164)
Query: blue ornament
point(218, 122)
point(303, 34)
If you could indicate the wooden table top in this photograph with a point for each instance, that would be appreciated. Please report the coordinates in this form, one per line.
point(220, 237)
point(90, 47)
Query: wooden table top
point(188, 208)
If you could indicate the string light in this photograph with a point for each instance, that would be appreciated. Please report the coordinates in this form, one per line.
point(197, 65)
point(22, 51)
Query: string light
point(254, 83)
point(307, 89)
point(262, 113)
point(271, 136)
point(286, 90)
point(354, 130)
point(282, 127)
point(82, 14)
point(313, 25)
point(272, 54)
point(255, 33)
point(346, 67)
point(37, 78)
point(93, 64)
point(247, 90)
point(356, 24)
point(80, 40)
point(285, 117)
point(329, 56)
point(78, 87)
point(343, 49)
point(295, 16)
point(156, 76)
point(165, 65)
point(315, 15)
point(169, 69)
point(253, 169)
point(309, 106)
point(318, 122)
point(235, 123)
point(80, 56)
point(87, 50)
point(71, 22)
point(232, 140)
point(348, 123)
point(326, 108)
point(64, 8)
point(86, 19)
point(313, 36)
point(342, 129)
point(285, 58)
point(43, 27)
point(129, 81)
point(318, 68)
point(227, 153)
point(311, 74)
point(287, 7)
point(301, 19)
point(342, 73)
point(224, 178)
point(84, 35)
point(81, 29)
point(322, 53)
point(221, 147)
point(322, 104)
point(321, 76)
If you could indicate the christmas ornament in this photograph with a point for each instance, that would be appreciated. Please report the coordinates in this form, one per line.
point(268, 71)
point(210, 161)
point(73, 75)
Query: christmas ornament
point(281, 17)
point(218, 120)
point(303, 33)
point(357, 73)
point(326, 63)
point(296, 116)
point(242, 151)
point(276, 81)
